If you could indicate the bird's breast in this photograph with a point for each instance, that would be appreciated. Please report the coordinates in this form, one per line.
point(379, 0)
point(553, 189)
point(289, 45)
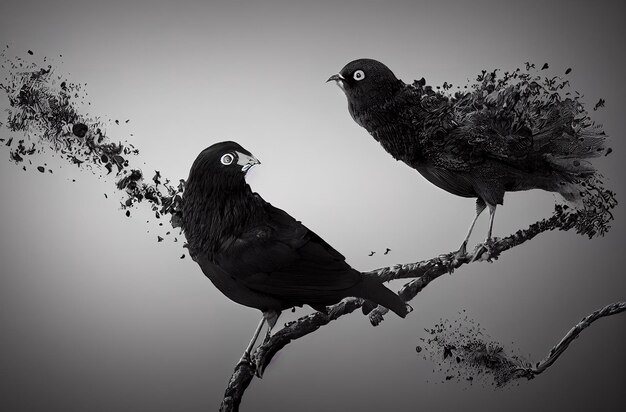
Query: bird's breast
point(235, 290)
point(398, 136)
point(457, 183)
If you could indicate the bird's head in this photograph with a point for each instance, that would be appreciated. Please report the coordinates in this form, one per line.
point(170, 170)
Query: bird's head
point(366, 80)
point(216, 199)
point(224, 162)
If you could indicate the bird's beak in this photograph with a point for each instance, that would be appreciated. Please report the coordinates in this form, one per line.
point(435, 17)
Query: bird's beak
point(338, 79)
point(246, 161)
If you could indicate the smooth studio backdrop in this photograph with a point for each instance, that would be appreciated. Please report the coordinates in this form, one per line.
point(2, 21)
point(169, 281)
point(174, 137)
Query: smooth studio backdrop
point(96, 315)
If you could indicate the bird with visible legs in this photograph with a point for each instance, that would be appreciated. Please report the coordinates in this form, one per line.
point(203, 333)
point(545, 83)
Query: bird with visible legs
point(509, 133)
point(258, 255)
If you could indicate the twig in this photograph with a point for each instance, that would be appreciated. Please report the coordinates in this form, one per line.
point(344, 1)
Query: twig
point(243, 374)
point(428, 270)
point(559, 348)
point(424, 272)
point(30, 95)
point(471, 351)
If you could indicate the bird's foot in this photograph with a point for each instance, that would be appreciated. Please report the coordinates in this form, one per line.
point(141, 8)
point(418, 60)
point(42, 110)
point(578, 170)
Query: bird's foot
point(268, 335)
point(246, 361)
point(448, 261)
point(484, 251)
point(454, 259)
point(258, 371)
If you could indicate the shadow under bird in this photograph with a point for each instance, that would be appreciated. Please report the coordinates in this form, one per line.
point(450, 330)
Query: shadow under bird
point(258, 255)
point(509, 134)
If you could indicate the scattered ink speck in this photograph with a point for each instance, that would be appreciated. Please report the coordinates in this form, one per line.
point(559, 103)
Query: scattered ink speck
point(600, 104)
point(80, 129)
point(475, 355)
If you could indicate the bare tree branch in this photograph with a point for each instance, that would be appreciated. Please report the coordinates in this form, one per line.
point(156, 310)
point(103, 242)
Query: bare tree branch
point(45, 110)
point(559, 348)
point(475, 356)
point(424, 272)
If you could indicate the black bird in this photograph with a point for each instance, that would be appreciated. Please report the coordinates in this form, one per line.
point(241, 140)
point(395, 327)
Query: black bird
point(258, 255)
point(506, 134)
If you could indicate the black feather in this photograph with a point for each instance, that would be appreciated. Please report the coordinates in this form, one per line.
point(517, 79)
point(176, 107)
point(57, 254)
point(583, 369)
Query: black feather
point(511, 132)
point(258, 255)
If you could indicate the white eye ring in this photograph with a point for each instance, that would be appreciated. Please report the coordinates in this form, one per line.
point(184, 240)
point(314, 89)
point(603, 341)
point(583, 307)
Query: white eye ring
point(227, 159)
point(358, 75)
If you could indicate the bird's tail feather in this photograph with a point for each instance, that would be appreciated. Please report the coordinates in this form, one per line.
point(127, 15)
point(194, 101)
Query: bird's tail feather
point(566, 138)
point(376, 293)
point(593, 203)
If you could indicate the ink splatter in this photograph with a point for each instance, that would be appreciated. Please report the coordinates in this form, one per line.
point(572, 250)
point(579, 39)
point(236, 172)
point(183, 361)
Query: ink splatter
point(600, 104)
point(464, 352)
point(530, 99)
point(45, 107)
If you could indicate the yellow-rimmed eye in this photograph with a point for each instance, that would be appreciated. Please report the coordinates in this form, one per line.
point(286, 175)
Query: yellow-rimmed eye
point(358, 75)
point(227, 159)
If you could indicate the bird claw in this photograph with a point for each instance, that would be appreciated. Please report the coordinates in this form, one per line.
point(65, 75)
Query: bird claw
point(258, 372)
point(483, 252)
point(449, 261)
point(455, 258)
point(267, 337)
point(246, 360)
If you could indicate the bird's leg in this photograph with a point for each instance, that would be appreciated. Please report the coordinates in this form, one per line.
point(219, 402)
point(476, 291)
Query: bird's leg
point(485, 247)
point(492, 214)
point(245, 358)
point(271, 317)
point(480, 206)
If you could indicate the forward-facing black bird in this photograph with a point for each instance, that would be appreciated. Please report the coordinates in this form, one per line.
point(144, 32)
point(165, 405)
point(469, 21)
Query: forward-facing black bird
point(256, 254)
point(513, 133)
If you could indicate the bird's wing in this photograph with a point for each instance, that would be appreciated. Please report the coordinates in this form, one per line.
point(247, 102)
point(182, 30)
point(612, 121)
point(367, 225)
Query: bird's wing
point(456, 133)
point(281, 257)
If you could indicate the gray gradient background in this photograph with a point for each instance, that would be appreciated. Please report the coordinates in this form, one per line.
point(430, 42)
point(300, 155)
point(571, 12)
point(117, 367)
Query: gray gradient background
point(95, 315)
